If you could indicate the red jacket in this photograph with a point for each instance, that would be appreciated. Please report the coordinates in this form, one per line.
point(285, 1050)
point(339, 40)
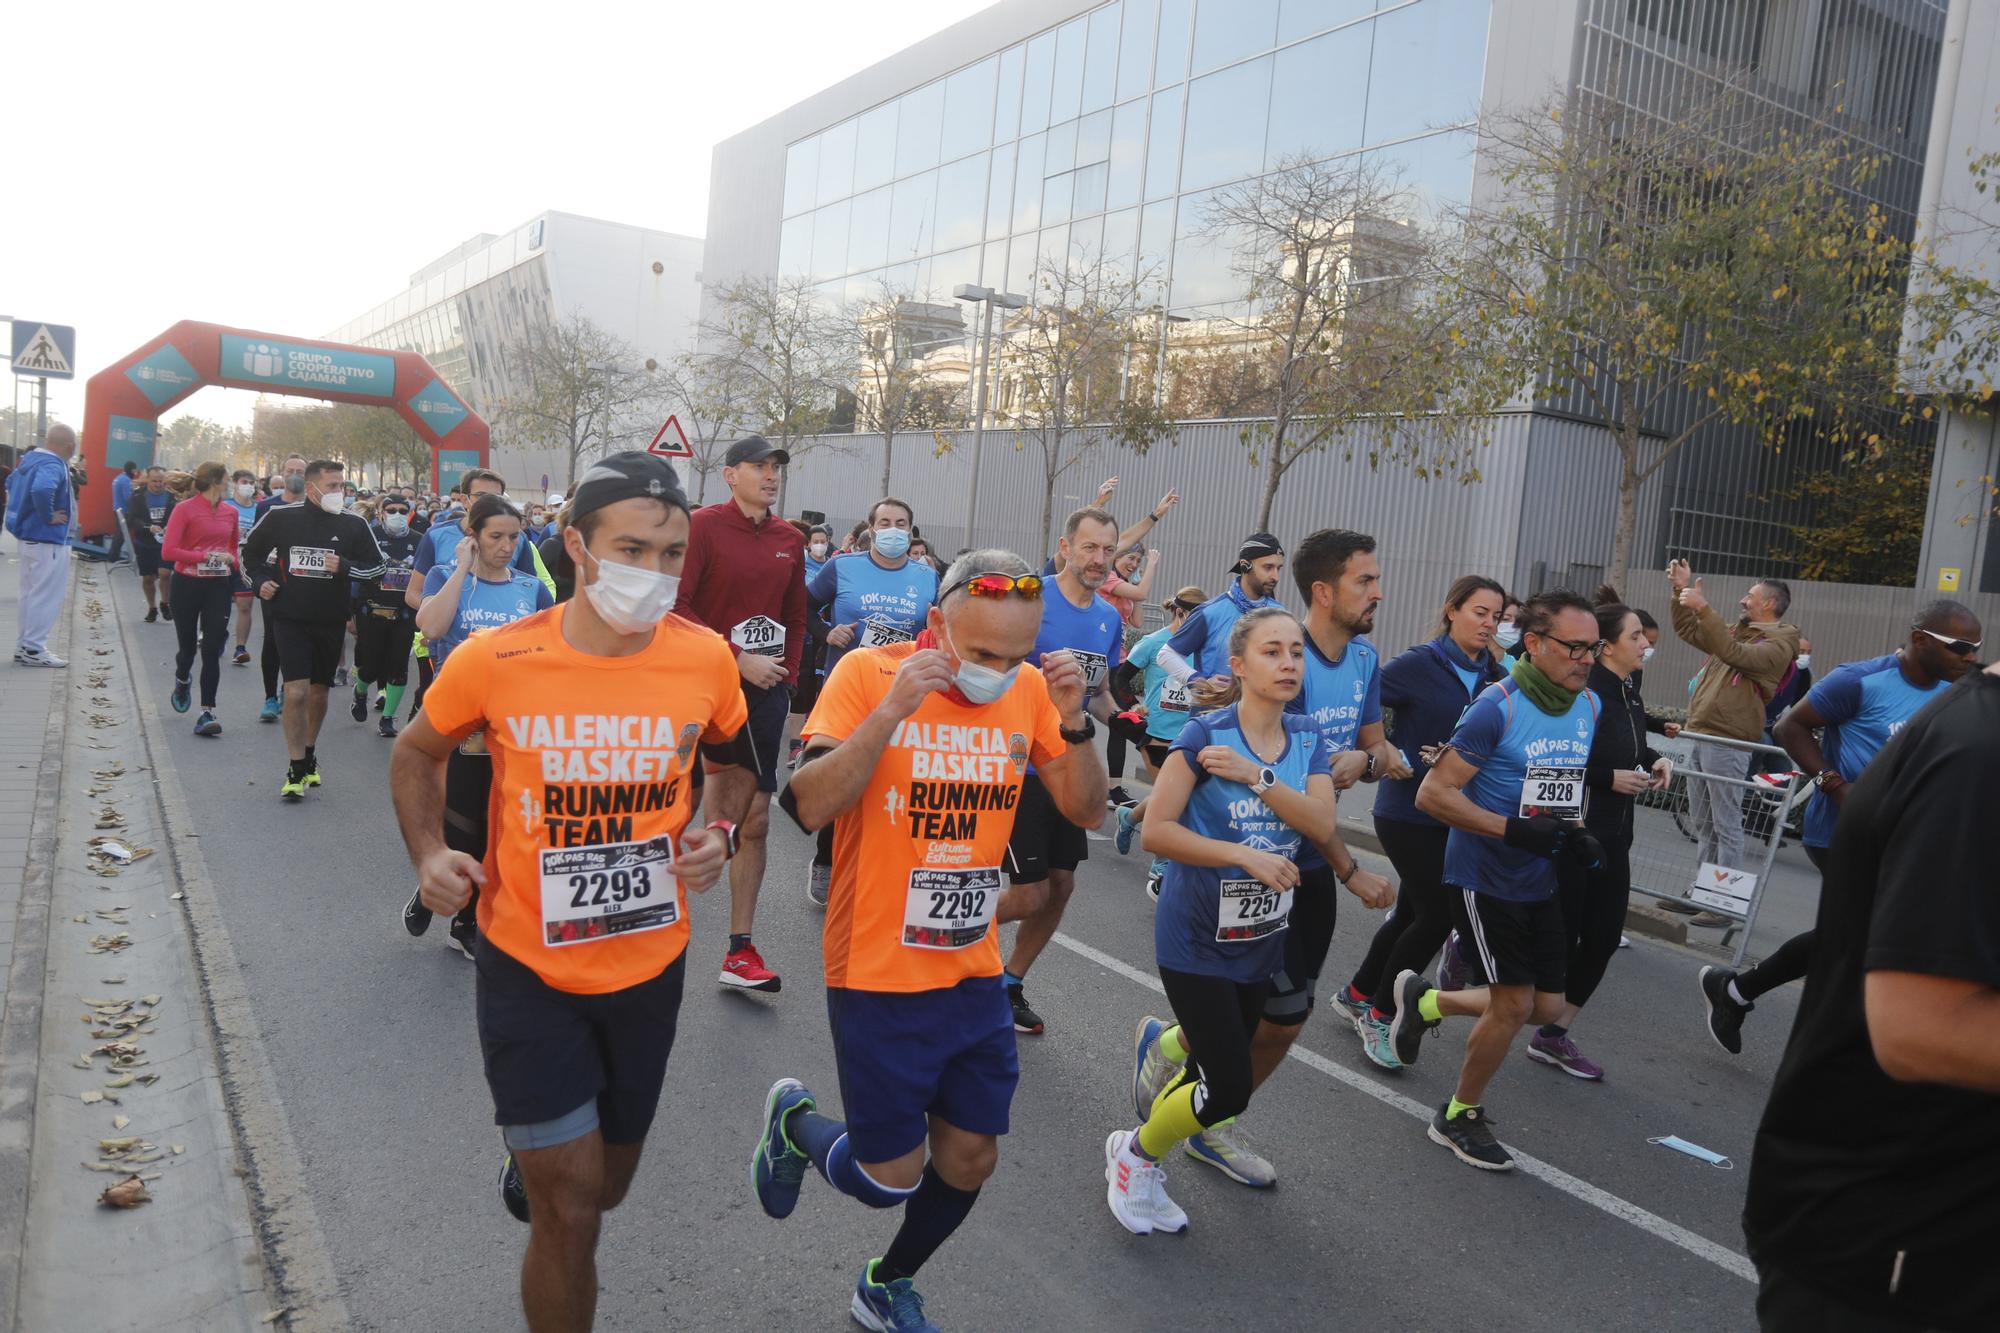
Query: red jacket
point(738, 571)
point(194, 529)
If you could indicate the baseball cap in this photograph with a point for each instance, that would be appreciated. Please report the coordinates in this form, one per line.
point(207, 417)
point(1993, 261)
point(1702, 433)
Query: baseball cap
point(754, 449)
point(625, 476)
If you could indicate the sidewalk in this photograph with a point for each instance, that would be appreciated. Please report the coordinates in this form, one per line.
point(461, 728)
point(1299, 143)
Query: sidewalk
point(132, 1090)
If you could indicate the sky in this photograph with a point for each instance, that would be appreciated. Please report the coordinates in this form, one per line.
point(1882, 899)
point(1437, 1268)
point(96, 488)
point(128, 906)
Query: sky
point(284, 167)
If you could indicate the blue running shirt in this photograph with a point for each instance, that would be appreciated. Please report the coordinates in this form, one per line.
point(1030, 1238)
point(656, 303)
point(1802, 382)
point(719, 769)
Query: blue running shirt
point(1340, 698)
point(1203, 639)
point(1864, 704)
point(1167, 703)
point(1218, 921)
point(1505, 736)
point(484, 604)
point(884, 606)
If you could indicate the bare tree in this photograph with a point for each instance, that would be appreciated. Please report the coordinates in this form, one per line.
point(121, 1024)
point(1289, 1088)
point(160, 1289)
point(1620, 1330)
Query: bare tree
point(710, 396)
point(583, 392)
point(784, 350)
point(899, 384)
point(1062, 366)
point(1670, 273)
point(1335, 337)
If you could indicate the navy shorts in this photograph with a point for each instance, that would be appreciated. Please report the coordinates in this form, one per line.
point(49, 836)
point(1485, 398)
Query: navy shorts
point(146, 555)
point(768, 710)
point(1042, 839)
point(906, 1057)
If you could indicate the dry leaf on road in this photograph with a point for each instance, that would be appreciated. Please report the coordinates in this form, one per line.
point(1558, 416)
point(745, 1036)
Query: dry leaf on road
point(127, 1193)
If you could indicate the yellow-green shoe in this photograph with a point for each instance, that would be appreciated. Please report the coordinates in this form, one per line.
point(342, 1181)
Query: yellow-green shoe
point(312, 778)
point(294, 789)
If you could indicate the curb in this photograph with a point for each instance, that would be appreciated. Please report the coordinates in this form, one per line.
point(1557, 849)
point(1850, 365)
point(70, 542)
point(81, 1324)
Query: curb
point(296, 1260)
point(21, 1034)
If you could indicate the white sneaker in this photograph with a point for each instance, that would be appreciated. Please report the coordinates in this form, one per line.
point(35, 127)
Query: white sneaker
point(37, 657)
point(1136, 1189)
point(819, 882)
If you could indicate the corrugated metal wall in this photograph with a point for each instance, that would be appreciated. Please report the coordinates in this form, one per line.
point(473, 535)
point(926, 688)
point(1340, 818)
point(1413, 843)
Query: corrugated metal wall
point(1431, 531)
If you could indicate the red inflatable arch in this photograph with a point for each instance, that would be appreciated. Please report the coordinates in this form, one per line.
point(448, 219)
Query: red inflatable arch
point(123, 402)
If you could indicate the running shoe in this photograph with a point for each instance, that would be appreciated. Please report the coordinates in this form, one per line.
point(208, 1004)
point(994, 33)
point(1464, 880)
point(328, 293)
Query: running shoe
point(513, 1193)
point(1153, 886)
point(1725, 1012)
point(1452, 971)
point(294, 788)
point(40, 657)
point(152, 614)
point(183, 696)
point(744, 969)
point(1470, 1137)
point(273, 710)
point(340, 677)
point(777, 1168)
point(889, 1307)
point(1127, 831)
point(1136, 1189)
point(1563, 1054)
point(1376, 1043)
point(206, 724)
point(819, 883)
point(312, 774)
point(1152, 1070)
point(792, 752)
point(1025, 1018)
point(381, 702)
point(416, 916)
point(464, 931)
point(1624, 941)
point(1119, 796)
point(242, 657)
point(386, 726)
point(358, 710)
point(1357, 1011)
point(1222, 1147)
point(1407, 1028)
point(166, 613)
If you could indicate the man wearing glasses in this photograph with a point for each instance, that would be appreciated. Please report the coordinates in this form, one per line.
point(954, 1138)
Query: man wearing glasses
point(1860, 705)
point(1509, 785)
point(916, 753)
point(1746, 664)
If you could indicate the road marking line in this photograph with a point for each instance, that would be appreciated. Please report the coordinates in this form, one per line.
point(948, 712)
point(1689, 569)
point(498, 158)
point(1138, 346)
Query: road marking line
point(1624, 1210)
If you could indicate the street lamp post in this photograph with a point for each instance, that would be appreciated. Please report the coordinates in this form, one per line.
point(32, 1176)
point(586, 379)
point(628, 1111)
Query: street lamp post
point(989, 298)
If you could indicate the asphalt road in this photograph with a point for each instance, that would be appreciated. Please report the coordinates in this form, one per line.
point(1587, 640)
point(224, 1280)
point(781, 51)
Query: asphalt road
point(371, 1037)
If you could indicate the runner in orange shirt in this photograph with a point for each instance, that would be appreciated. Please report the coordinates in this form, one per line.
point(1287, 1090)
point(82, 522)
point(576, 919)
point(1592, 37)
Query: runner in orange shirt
point(916, 753)
point(583, 912)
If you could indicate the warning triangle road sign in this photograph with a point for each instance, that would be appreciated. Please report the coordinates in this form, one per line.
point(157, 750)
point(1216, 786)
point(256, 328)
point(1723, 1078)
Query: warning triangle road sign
point(41, 355)
point(672, 441)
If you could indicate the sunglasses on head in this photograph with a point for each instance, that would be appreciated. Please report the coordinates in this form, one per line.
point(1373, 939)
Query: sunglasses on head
point(1959, 646)
point(996, 585)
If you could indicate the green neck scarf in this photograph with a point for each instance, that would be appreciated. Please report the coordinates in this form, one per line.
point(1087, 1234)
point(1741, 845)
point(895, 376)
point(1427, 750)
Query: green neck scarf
point(1546, 695)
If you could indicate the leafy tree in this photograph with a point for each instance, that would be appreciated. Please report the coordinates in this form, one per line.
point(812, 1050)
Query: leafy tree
point(897, 339)
point(1866, 517)
point(585, 392)
point(1668, 275)
point(784, 350)
point(710, 396)
point(1335, 335)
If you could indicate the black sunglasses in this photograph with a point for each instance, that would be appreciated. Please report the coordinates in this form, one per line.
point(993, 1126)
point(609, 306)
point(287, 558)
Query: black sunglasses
point(1578, 650)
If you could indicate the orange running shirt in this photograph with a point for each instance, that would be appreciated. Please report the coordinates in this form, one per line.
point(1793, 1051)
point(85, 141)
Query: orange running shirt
point(917, 861)
point(590, 789)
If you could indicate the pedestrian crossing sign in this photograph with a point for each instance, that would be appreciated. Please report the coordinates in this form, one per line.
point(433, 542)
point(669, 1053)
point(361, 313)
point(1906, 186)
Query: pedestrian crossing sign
point(46, 350)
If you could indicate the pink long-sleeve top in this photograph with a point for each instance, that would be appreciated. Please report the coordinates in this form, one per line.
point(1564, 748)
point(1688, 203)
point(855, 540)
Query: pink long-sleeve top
point(195, 530)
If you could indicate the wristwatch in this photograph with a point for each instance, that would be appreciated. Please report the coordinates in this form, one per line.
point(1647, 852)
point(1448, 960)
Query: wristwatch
point(1371, 764)
point(729, 834)
point(1821, 778)
point(1266, 779)
point(1082, 734)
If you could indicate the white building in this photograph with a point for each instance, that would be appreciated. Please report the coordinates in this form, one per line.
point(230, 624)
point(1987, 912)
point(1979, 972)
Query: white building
point(466, 307)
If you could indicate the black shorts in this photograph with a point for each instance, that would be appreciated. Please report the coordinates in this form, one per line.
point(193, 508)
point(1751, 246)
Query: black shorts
point(146, 555)
point(1156, 751)
point(1308, 937)
point(768, 710)
point(382, 647)
point(549, 1053)
point(1509, 943)
point(307, 649)
point(468, 788)
point(1042, 839)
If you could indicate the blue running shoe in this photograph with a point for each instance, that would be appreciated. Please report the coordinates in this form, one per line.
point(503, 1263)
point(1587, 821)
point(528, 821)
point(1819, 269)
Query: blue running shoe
point(273, 710)
point(892, 1307)
point(182, 697)
point(777, 1168)
point(207, 725)
point(1127, 830)
point(1151, 1069)
point(1356, 1010)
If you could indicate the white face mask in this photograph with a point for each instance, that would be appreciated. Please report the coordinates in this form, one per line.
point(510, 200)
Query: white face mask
point(1647, 656)
point(395, 524)
point(981, 684)
point(819, 550)
point(1506, 635)
point(333, 501)
point(1804, 660)
point(245, 489)
point(631, 600)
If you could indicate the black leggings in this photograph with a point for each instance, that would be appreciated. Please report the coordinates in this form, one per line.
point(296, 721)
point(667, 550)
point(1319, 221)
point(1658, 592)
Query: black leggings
point(1217, 1017)
point(468, 782)
point(1790, 960)
point(1121, 732)
point(1416, 926)
point(269, 657)
point(1593, 908)
point(426, 673)
point(201, 608)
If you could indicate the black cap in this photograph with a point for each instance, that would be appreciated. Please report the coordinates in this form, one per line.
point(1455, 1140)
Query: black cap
point(625, 476)
point(754, 449)
point(1255, 547)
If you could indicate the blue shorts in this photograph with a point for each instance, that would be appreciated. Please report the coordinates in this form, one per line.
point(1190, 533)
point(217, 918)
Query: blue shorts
point(906, 1057)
